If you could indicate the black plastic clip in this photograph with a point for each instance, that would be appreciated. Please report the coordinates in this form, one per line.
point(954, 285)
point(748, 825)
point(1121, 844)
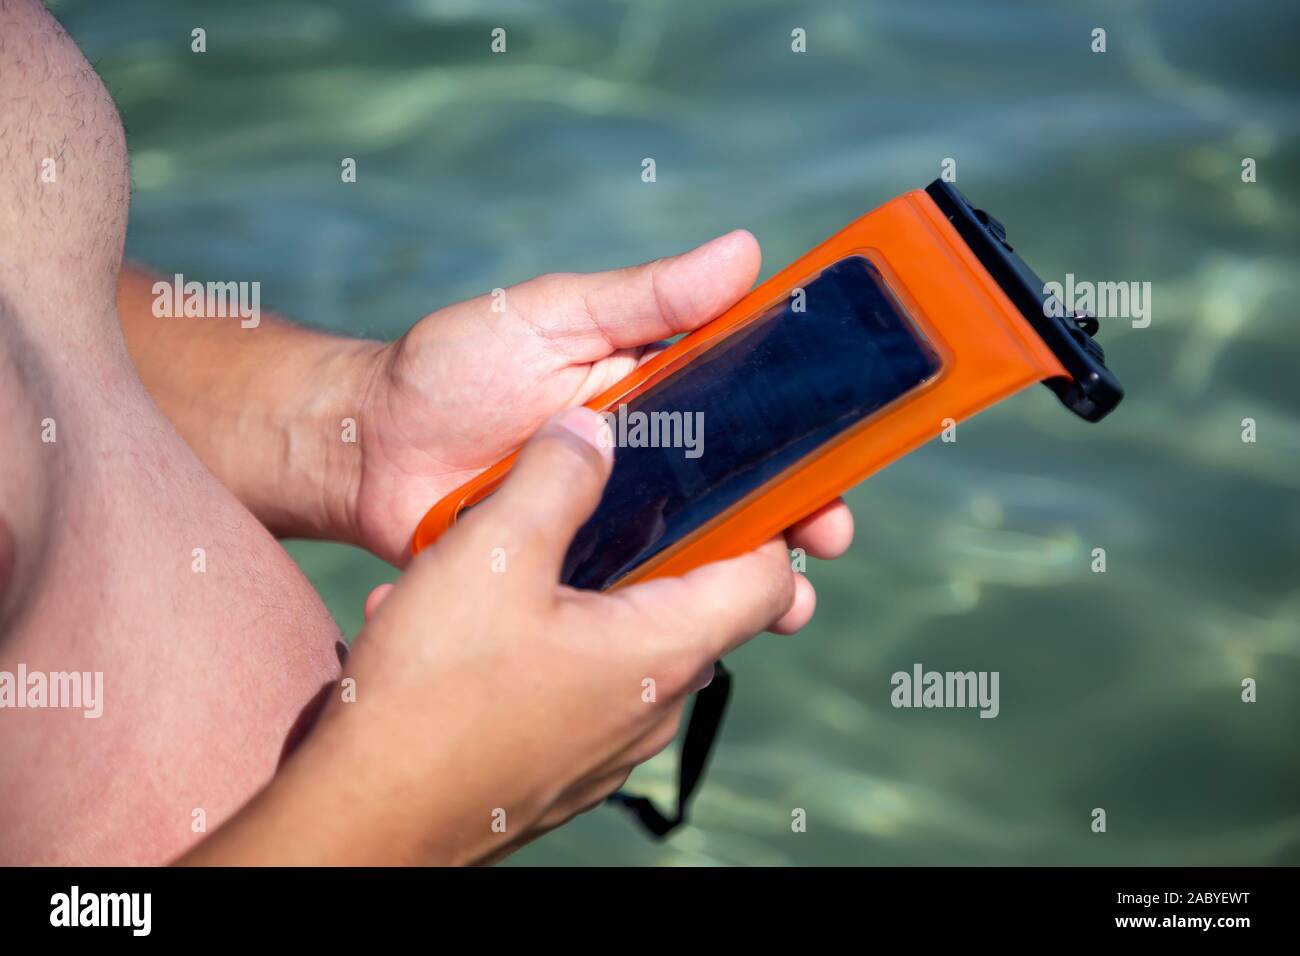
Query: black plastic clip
point(1091, 390)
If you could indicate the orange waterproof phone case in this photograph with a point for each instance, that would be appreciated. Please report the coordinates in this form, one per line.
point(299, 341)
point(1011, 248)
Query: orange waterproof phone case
point(916, 315)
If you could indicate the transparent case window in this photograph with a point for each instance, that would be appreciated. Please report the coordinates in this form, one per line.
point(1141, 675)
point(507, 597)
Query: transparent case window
point(746, 411)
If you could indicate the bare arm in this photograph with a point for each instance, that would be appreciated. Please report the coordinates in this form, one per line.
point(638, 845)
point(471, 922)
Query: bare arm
point(264, 406)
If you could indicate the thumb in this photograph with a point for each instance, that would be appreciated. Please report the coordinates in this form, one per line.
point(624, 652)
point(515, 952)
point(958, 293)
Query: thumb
point(632, 307)
point(554, 487)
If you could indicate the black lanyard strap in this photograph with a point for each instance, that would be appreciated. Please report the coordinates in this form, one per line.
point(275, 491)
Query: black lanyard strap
point(701, 731)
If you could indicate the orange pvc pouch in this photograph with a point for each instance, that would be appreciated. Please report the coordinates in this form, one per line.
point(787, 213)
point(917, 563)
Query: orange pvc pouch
point(909, 320)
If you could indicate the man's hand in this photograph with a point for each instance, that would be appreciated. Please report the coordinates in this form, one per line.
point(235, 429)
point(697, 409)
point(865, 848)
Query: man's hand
point(482, 707)
point(468, 384)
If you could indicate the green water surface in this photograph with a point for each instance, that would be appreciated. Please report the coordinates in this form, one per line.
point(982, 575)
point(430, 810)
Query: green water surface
point(1118, 690)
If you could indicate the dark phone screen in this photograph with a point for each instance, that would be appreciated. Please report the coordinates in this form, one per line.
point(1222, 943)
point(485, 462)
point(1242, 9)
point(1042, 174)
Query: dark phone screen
point(706, 436)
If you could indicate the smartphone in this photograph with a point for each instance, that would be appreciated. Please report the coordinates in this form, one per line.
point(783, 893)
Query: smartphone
point(699, 441)
point(912, 318)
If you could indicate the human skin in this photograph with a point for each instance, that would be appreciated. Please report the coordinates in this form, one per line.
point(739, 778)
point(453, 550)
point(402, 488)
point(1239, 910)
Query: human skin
point(225, 433)
point(510, 699)
point(205, 673)
point(463, 388)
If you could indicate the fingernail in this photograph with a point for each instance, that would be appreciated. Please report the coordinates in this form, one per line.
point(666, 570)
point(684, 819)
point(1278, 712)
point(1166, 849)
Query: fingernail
point(590, 426)
point(703, 679)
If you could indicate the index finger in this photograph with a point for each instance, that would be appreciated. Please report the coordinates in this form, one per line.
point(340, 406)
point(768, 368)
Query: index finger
point(720, 605)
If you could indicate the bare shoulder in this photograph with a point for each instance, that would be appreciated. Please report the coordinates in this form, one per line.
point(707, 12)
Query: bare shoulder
point(64, 179)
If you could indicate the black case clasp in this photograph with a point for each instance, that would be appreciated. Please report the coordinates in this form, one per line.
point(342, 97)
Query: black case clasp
point(1092, 390)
